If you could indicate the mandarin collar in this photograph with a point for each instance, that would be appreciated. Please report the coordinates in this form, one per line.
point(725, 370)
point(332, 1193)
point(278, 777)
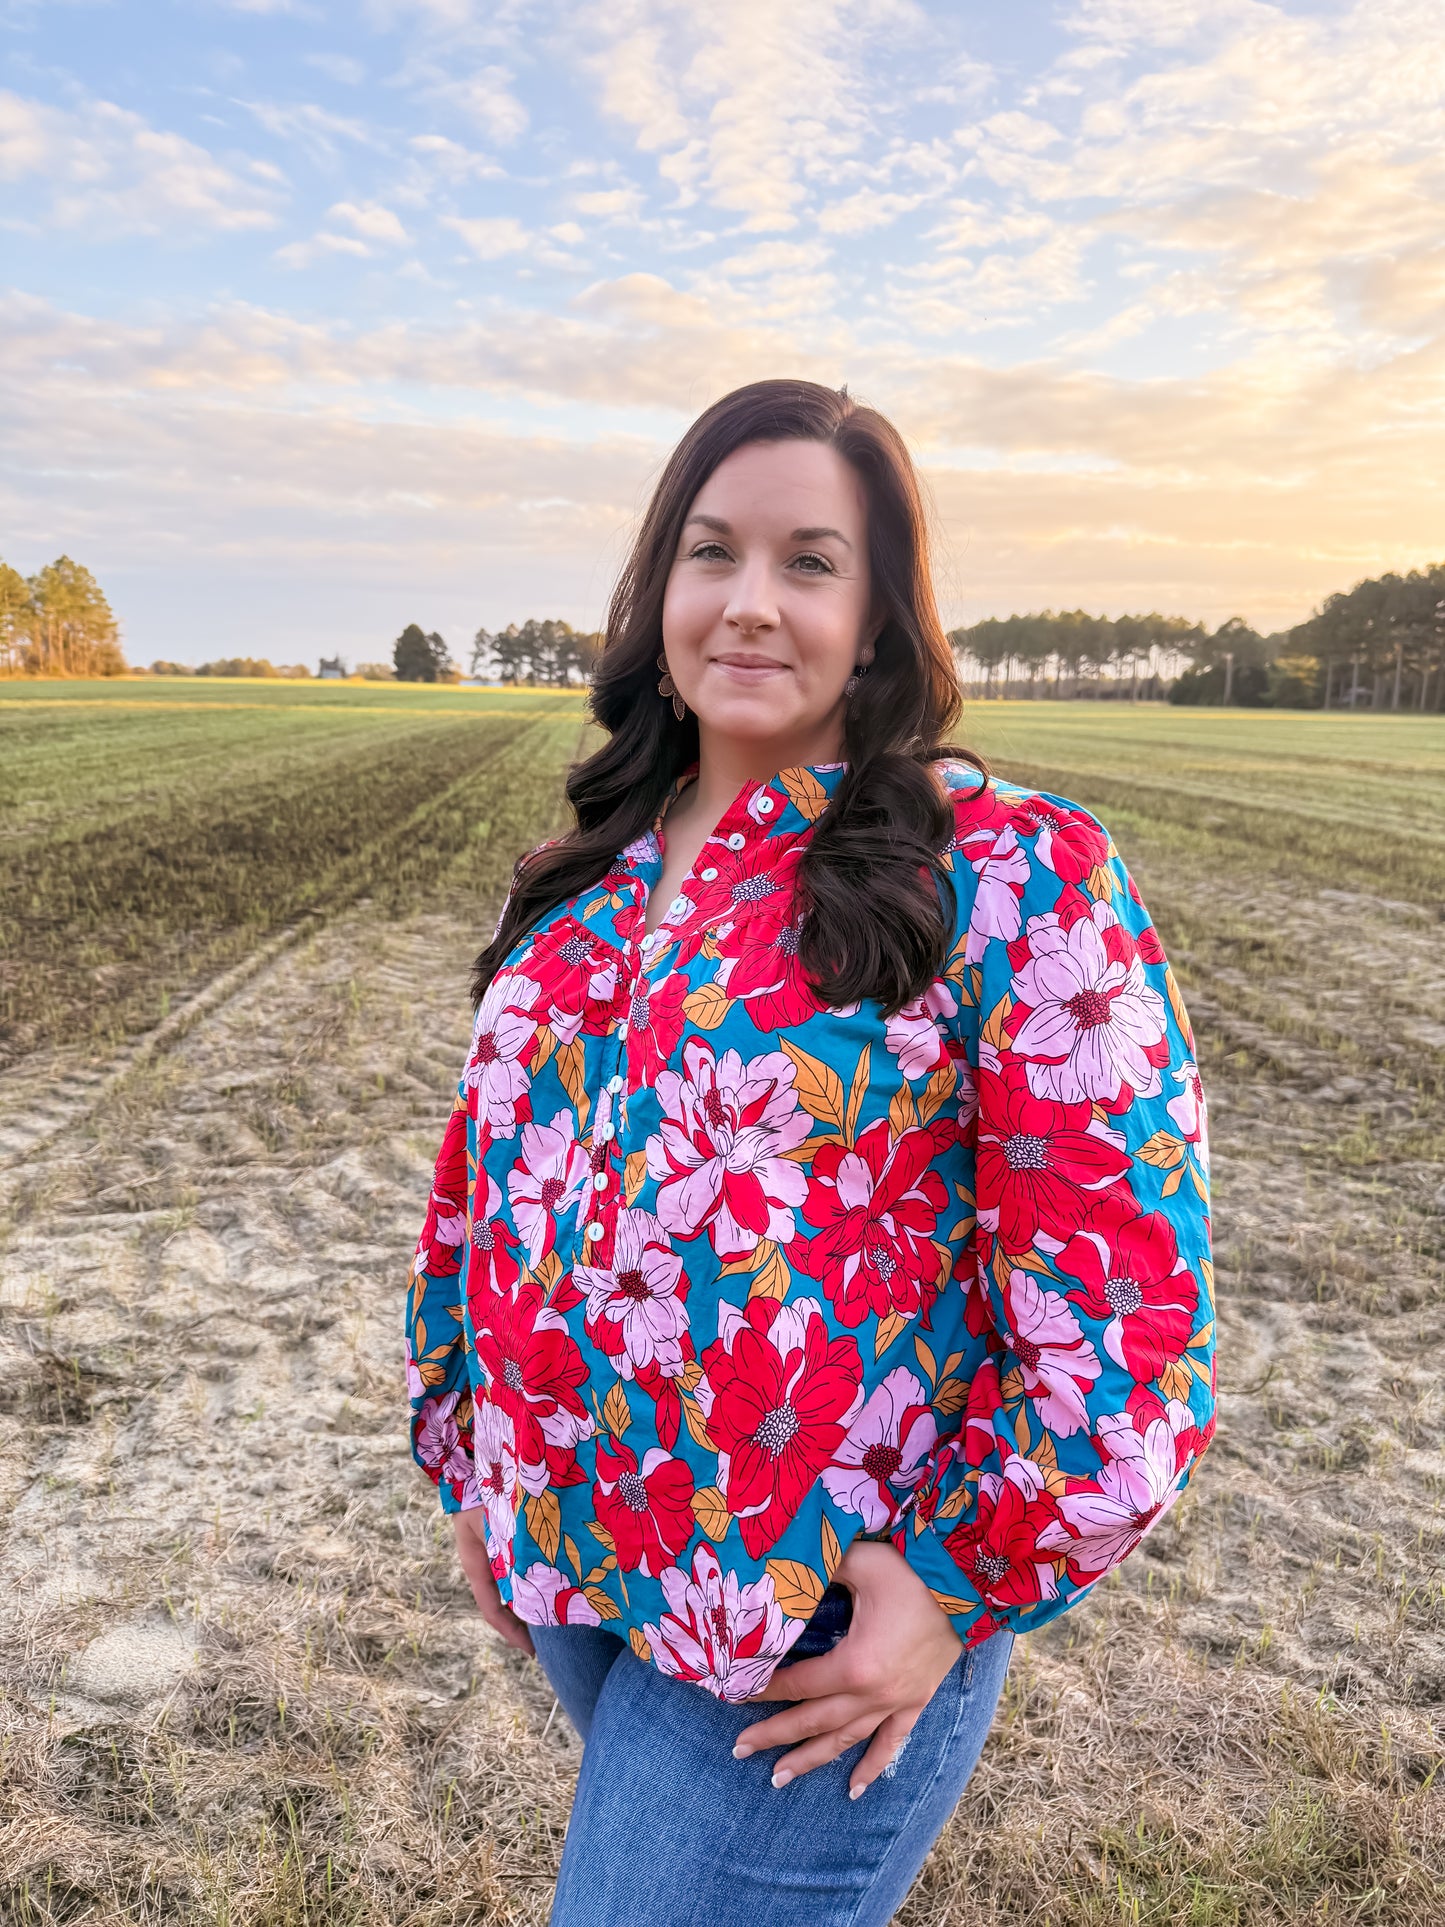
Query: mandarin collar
point(785, 804)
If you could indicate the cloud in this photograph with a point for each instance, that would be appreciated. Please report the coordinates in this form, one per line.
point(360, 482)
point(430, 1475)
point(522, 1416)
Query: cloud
point(102, 168)
point(748, 105)
point(452, 161)
point(315, 129)
point(491, 236)
point(341, 68)
point(371, 221)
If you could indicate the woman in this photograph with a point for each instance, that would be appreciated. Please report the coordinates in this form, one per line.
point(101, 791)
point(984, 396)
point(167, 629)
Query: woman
point(815, 1290)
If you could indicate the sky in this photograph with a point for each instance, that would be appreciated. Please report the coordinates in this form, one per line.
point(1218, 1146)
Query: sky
point(316, 320)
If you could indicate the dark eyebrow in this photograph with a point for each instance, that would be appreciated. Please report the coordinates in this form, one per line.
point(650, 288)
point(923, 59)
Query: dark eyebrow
point(716, 523)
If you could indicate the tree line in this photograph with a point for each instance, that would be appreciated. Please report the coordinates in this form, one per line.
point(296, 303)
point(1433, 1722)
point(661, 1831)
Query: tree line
point(57, 622)
point(1379, 645)
point(546, 654)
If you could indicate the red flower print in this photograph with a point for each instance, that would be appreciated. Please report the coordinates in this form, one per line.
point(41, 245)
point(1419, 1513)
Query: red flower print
point(1037, 1159)
point(757, 876)
point(760, 964)
point(1069, 841)
point(546, 1181)
point(878, 1205)
point(438, 1251)
point(533, 1370)
point(647, 1508)
point(493, 1264)
point(1085, 1021)
point(778, 1395)
point(654, 1024)
point(720, 1154)
point(1128, 1265)
point(576, 974)
point(999, 1547)
point(1059, 1364)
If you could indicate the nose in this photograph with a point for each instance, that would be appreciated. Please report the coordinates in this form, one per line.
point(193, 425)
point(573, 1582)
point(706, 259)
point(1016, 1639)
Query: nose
point(752, 607)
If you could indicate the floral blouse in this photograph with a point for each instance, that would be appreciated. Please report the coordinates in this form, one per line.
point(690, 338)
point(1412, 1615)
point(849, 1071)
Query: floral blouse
point(715, 1278)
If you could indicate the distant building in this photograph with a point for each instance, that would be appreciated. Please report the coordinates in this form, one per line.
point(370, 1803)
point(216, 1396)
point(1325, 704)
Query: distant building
point(331, 669)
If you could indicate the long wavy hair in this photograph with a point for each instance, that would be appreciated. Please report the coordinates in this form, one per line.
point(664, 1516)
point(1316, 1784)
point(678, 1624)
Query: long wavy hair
point(876, 901)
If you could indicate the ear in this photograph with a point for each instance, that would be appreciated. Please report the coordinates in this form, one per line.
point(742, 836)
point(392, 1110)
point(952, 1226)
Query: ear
point(877, 622)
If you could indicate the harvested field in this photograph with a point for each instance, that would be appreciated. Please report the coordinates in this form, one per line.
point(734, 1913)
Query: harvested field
point(242, 1682)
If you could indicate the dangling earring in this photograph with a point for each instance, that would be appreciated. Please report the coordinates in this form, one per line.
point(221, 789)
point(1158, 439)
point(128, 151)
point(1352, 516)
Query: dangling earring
point(850, 688)
point(667, 687)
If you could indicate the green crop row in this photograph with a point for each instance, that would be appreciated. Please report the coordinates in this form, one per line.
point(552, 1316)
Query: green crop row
point(156, 860)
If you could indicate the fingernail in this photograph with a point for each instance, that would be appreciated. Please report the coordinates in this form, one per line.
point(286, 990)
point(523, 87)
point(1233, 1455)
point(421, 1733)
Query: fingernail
point(782, 1776)
point(855, 1791)
point(741, 1752)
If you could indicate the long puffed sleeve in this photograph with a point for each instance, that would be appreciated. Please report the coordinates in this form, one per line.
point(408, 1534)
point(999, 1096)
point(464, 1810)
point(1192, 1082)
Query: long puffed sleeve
point(436, 1363)
point(1089, 1275)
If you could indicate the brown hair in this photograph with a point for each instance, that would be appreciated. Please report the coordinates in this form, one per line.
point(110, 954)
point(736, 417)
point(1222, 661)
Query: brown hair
point(876, 900)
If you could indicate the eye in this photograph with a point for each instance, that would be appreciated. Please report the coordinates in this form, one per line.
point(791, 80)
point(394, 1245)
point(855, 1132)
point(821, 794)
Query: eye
point(707, 552)
point(824, 567)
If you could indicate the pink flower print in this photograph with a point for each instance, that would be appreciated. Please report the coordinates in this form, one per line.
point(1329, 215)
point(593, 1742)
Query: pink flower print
point(635, 1310)
point(501, 1039)
point(720, 1155)
point(545, 1181)
point(717, 1633)
point(1092, 1019)
point(1108, 1516)
point(886, 1450)
point(641, 851)
point(415, 1383)
point(1189, 1110)
point(1059, 1364)
point(494, 1456)
point(1002, 869)
point(460, 1475)
point(913, 1035)
point(545, 1597)
point(436, 1431)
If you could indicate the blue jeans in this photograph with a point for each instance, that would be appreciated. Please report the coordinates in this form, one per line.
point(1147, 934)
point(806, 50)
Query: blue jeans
point(669, 1829)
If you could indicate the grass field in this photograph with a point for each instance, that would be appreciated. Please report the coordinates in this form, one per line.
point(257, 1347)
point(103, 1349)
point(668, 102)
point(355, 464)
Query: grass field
point(241, 1680)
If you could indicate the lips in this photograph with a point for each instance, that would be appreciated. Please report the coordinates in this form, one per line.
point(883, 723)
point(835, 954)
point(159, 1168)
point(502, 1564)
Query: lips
point(749, 669)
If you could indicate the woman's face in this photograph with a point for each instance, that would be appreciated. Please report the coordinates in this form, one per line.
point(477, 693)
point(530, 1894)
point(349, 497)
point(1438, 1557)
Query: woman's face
point(766, 611)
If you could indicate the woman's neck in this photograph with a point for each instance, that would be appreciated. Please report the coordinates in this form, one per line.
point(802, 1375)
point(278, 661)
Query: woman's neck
point(725, 764)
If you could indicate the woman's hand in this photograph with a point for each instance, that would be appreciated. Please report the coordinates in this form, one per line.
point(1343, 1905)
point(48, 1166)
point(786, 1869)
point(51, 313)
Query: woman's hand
point(471, 1529)
point(877, 1679)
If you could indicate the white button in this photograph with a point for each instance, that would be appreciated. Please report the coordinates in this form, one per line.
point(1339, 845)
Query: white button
point(765, 806)
point(615, 1085)
point(599, 1183)
point(607, 1132)
point(594, 1230)
point(677, 906)
point(709, 876)
point(736, 840)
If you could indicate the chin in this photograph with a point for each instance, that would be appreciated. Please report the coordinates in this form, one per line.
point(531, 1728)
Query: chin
point(753, 718)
